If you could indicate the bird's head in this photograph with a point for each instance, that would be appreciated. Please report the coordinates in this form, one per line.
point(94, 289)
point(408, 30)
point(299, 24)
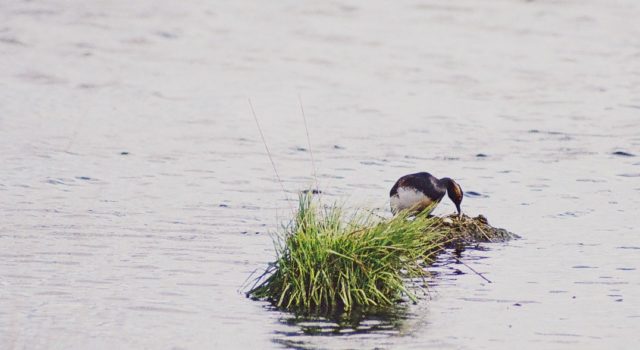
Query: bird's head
point(454, 191)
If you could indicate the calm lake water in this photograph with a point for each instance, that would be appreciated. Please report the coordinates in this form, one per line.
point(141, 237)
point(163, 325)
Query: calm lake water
point(136, 196)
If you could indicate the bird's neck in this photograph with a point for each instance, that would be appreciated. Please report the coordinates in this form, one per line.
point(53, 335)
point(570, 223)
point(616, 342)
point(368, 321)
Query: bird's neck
point(447, 182)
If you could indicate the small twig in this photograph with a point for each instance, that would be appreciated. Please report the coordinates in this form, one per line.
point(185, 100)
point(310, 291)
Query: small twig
point(257, 280)
point(467, 266)
point(273, 164)
point(244, 284)
point(486, 236)
point(306, 128)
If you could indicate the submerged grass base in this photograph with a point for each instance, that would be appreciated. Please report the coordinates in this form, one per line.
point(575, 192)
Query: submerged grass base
point(327, 263)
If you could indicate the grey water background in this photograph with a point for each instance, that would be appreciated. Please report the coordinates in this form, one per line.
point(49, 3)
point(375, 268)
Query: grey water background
point(136, 196)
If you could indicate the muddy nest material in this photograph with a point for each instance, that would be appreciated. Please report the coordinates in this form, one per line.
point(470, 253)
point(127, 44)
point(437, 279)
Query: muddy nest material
point(468, 230)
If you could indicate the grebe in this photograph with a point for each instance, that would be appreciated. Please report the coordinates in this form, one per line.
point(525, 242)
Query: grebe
point(421, 191)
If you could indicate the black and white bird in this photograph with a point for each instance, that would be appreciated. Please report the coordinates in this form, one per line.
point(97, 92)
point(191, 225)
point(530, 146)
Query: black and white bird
point(423, 191)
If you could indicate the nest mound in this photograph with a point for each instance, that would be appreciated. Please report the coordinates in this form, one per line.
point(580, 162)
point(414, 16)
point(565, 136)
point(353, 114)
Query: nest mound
point(467, 230)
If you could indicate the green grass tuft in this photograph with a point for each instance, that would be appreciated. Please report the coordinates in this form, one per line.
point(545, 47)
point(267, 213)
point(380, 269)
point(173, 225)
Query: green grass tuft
point(328, 262)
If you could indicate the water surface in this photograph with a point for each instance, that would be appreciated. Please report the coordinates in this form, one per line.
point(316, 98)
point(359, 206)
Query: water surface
point(136, 197)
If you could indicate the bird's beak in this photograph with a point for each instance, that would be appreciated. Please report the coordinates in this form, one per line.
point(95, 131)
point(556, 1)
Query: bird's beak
point(459, 211)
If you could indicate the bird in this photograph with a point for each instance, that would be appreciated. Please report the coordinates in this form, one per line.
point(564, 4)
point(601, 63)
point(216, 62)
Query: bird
point(422, 191)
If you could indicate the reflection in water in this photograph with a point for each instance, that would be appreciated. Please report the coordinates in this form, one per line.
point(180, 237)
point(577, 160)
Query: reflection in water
point(387, 322)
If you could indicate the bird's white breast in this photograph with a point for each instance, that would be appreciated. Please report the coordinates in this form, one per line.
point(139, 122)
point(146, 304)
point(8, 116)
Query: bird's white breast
point(407, 198)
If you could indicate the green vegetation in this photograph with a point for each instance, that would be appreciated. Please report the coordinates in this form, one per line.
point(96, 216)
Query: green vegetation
point(329, 262)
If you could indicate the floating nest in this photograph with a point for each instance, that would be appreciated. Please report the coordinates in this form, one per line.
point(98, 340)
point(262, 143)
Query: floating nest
point(465, 230)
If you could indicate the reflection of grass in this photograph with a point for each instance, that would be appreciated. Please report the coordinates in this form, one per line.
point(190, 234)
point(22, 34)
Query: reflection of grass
point(356, 322)
point(327, 262)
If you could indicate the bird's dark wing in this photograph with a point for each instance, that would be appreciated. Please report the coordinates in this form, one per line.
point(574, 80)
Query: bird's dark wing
point(423, 182)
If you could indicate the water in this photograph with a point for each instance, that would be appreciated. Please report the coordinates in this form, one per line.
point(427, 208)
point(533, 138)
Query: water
point(136, 197)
